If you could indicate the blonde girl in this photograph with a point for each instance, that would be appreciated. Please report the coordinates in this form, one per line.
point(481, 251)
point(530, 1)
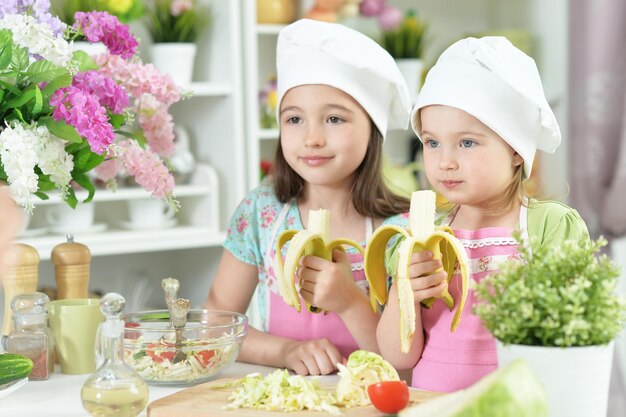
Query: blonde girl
point(481, 116)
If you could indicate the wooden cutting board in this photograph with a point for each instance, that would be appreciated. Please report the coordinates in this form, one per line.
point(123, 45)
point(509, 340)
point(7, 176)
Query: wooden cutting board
point(204, 401)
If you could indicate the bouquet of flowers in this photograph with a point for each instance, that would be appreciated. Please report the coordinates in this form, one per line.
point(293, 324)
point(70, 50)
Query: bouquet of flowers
point(62, 111)
point(176, 20)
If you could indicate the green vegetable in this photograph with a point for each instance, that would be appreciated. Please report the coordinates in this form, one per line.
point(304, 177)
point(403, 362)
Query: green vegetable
point(362, 370)
point(14, 367)
point(513, 391)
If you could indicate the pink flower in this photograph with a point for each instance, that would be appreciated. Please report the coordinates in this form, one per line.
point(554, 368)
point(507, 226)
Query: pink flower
point(370, 8)
point(108, 169)
point(102, 27)
point(390, 18)
point(179, 7)
point(109, 94)
point(82, 110)
point(139, 79)
point(148, 169)
point(157, 125)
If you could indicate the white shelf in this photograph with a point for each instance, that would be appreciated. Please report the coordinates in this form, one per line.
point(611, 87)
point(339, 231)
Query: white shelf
point(268, 134)
point(202, 183)
point(121, 242)
point(264, 29)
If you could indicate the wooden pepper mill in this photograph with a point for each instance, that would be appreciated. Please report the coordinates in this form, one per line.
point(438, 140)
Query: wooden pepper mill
point(71, 269)
point(21, 276)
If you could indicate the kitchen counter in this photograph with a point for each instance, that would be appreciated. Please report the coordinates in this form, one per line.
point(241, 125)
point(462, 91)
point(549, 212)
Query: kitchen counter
point(59, 396)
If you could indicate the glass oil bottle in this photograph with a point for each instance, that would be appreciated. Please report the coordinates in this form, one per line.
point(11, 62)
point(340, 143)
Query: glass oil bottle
point(115, 389)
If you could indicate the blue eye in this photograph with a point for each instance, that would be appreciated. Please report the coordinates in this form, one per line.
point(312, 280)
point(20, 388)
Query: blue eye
point(432, 143)
point(467, 143)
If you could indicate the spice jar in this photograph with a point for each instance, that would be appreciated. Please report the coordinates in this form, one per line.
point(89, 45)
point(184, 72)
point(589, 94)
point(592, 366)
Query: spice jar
point(71, 269)
point(30, 336)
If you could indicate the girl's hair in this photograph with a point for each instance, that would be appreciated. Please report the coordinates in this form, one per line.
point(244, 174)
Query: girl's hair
point(514, 192)
point(370, 194)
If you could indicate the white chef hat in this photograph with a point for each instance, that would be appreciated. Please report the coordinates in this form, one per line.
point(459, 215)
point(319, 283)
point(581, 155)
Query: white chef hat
point(314, 52)
point(498, 84)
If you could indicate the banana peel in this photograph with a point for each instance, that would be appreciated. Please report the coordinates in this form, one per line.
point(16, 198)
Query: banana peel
point(421, 235)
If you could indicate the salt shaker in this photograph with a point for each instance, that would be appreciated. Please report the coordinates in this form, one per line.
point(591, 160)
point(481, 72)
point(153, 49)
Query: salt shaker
point(20, 277)
point(71, 267)
point(31, 336)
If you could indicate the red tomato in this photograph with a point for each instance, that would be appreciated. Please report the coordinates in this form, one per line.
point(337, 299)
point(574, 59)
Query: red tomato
point(161, 356)
point(389, 396)
point(204, 356)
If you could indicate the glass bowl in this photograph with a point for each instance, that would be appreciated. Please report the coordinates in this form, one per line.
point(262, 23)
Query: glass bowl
point(211, 342)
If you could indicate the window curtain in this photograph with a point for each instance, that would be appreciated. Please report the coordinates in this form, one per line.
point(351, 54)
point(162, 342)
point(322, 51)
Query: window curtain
point(597, 139)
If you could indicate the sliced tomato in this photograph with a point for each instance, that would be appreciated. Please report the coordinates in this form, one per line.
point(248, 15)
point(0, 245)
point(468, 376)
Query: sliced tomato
point(159, 356)
point(389, 396)
point(128, 334)
point(204, 356)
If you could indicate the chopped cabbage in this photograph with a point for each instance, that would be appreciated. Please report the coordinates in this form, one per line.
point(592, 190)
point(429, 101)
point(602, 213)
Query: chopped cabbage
point(362, 370)
point(280, 391)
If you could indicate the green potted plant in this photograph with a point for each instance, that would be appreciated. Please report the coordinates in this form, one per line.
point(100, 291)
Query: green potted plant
point(557, 309)
point(174, 27)
point(405, 43)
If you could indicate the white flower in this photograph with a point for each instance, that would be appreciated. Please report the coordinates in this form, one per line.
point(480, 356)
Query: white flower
point(38, 38)
point(53, 160)
point(17, 151)
point(21, 149)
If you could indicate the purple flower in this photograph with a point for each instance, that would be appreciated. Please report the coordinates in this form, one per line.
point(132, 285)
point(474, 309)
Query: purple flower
point(108, 92)
point(102, 27)
point(39, 9)
point(82, 110)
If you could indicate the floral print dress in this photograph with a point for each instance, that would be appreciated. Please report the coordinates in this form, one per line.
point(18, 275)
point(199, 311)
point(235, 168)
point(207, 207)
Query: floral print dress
point(251, 238)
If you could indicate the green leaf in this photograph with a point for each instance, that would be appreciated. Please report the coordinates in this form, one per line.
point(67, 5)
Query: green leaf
point(84, 61)
point(43, 70)
point(41, 195)
point(85, 160)
point(84, 181)
point(117, 120)
point(38, 104)
point(61, 129)
point(20, 100)
point(6, 48)
point(61, 81)
point(19, 60)
point(71, 199)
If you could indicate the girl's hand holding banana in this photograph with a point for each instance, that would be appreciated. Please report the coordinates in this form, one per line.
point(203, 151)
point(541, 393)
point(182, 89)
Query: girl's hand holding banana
point(326, 284)
point(421, 236)
point(314, 240)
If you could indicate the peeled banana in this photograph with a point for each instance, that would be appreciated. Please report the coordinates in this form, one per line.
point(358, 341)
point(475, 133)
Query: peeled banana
point(421, 235)
point(312, 241)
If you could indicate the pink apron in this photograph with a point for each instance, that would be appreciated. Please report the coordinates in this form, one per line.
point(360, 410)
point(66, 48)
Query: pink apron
point(453, 361)
point(287, 322)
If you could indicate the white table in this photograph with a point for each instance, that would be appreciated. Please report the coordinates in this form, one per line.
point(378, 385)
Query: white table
point(59, 396)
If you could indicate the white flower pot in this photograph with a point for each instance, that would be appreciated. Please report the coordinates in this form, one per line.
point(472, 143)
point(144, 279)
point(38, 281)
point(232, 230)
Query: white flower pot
point(411, 69)
point(576, 379)
point(175, 59)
